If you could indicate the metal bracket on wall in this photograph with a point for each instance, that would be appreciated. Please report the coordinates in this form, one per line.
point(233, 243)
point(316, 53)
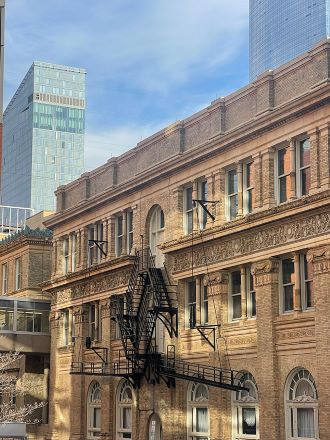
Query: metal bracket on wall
point(208, 333)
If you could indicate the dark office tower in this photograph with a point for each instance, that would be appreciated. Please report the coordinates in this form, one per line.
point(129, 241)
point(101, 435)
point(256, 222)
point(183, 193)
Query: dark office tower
point(281, 30)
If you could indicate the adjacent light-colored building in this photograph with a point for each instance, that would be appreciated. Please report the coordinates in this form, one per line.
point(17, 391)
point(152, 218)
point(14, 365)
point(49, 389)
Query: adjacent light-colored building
point(25, 262)
point(251, 279)
point(43, 142)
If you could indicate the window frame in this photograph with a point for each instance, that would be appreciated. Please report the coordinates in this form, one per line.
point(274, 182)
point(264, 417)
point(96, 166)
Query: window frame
point(4, 273)
point(229, 196)
point(299, 168)
point(93, 405)
point(188, 211)
point(280, 176)
point(202, 194)
point(192, 405)
point(250, 290)
point(123, 404)
point(18, 273)
point(303, 282)
point(191, 321)
point(282, 286)
point(247, 190)
point(204, 301)
point(66, 255)
point(230, 297)
point(129, 230)
point(119, 236)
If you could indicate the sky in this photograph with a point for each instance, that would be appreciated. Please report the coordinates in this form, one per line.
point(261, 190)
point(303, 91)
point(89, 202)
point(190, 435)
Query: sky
point(149, 62)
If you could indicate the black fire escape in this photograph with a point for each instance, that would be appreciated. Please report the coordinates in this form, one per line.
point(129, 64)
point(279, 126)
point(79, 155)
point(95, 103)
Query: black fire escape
point(148, 299)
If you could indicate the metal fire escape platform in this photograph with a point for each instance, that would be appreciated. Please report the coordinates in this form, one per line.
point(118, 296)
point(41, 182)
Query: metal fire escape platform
point(148, 299)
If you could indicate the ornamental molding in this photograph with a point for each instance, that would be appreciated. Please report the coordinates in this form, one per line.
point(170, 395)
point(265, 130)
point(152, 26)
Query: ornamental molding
point(242, 340)
point(90, 287)
point(296, 334)
point(261, 238)
point(320, 257)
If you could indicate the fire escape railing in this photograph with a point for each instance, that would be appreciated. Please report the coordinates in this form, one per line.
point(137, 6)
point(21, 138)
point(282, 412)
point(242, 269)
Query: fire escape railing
point(136, 312)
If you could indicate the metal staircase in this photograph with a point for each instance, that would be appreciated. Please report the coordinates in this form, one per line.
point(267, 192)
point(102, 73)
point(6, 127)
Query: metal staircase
point(148, 298)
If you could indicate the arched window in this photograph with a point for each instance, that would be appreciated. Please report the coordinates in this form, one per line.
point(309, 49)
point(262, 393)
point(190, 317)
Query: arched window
point(198, 412)
point(301, 406)
point(156, 234)
point(124, 410)
point(246, 409)
point(94, 411)
point(155, 428)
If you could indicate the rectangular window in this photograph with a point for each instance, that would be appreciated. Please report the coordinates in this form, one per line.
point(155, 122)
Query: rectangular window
point(18, 273)
point(4, 278)
point(188, 210)
point(66, 255)
point(287, 284)
point(91, 247)
point(66, 328)
point(251, 296)
point(232, 194)
point(303, 167)
point(248, 187)
point(235, 295)
point(74, 251)
point(283, 174)
point(99, 245)
point(202, 195)
point(6, 315)
point(204, 305)
point(94, 321)
point(33, 317)
point(306, 269)
point(191, 304)
point(129, 231)
point(119, 235)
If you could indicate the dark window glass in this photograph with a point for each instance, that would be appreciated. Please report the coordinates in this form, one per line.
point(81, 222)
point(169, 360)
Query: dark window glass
point(249, 421)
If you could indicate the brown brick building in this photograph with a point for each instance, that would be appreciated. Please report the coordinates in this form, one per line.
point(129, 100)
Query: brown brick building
point(260, 270)
point(25, 261)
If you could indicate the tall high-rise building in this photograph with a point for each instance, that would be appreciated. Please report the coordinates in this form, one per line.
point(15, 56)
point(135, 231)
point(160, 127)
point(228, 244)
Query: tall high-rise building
point(43, 142)
point(2, 45)
point(281, 30)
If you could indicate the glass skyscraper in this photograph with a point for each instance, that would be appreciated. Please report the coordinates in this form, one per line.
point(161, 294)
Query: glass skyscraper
point(281, 30)
point(43, 142)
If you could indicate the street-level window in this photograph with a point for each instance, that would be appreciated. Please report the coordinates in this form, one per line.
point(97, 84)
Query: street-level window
point(235, 306)
point(246, 409)
point(303, 167)
point(188, 209)
point(4, 278)
point(232, 194)
point(301, 406)
point(191, 304)
point(198, 412)
point(119, 235)
point(94, 411)
point(18, 273)
point(124, 413)
point(287, 284)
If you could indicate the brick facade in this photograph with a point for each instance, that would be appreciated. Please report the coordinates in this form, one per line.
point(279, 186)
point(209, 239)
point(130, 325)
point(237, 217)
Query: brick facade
point(272, 240)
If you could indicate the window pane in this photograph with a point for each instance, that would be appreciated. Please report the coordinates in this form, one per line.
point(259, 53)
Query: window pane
point(283, 190)
point(249, 421)
point(188, 198)
point(305, 181)
point(232, 182)
point(288, 298)
point(236, 281)
point(237, 307)
point(253, 304)
point(202, 420)
point(305, 422)
point(189, 221)
point(127, 418)
point(249, 175)
point(288, 271)
point(283, 161)
point(97, 418)
point(305, 153)
point(250, 200)
point(233, 208)
point(6, 319)
point(191, 292)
